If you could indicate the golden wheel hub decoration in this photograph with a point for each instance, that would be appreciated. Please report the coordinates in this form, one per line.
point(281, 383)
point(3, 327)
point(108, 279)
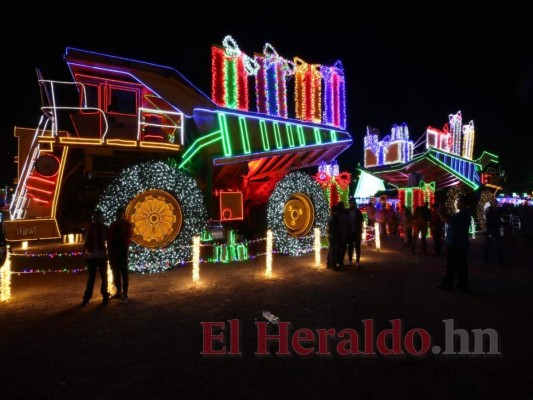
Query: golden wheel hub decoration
point(156, 218)
point(298, 214)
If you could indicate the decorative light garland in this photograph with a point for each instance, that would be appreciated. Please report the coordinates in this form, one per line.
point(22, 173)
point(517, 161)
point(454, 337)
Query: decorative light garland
point(158, 175)
point(295, 182)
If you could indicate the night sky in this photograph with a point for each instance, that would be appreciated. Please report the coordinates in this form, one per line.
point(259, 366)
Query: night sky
point(412, 64)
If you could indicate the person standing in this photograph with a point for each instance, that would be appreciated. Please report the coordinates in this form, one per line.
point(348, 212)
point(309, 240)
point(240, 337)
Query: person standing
point(457, 247)
point(344, 224)
point(95, 255)
point(334, 240)
point(407, 227)
point(371, 214)
point(436, 225)
point(119, 241)
point(355, 219)
point(421, 218)
point(494, 233)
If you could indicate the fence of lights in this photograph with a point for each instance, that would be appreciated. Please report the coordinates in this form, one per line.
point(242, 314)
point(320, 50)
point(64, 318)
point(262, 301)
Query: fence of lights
point(319, 91)
point(392, 149)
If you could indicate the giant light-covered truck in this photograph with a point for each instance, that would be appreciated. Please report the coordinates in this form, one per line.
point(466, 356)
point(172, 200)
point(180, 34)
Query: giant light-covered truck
point(132, 134)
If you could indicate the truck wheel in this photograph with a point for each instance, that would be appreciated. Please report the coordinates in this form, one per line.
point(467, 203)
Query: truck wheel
point(166, 209)
point(295, 208)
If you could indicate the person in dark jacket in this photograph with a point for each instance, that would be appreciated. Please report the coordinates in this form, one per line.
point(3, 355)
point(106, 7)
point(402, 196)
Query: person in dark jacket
point(436, 225)
point(421, 218)
point(355, 219)
point(119, 241)
point(334, 238)
point(457, 247)
point(95, 255)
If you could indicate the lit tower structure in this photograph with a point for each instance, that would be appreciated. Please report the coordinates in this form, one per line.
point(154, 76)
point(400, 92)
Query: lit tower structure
point(456, 124)
point(468, 140)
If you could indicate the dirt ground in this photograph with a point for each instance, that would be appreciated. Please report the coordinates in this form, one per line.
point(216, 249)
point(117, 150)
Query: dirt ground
point(150, 347)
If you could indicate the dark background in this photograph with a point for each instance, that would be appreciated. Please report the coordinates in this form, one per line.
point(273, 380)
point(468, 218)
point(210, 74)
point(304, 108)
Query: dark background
point(403, 62)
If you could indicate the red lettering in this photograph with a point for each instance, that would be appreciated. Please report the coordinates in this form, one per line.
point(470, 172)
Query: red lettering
point(282, 338)
point(209, 338)
point(396, 338)
point(235, 343)
point(369, 336)
point(303, 335)
point(348, 346)
point(425, 341)
point(323, 341)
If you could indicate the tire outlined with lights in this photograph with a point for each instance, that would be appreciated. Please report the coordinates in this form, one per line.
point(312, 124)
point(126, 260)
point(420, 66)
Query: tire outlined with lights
point(296, 206)
point(166, 209)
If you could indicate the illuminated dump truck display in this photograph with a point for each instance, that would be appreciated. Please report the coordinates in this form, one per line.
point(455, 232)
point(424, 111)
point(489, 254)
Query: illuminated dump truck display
point(137, 135)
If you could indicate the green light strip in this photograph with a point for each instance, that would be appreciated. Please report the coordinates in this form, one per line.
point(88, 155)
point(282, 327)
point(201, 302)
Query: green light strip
point(244, 135)
point(318, 139)
point(333, 135)
point(198, 145)
point(290, 137)
point(223, 122)
point(277, 136)
point(264, 135)
point(301, 136)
